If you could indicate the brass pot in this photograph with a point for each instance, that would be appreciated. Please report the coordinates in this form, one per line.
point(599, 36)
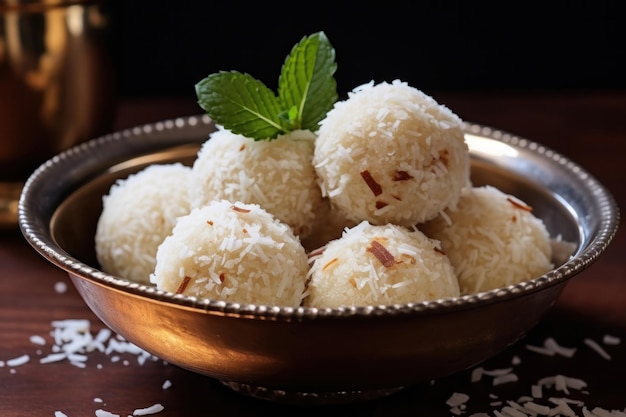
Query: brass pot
point(56, 85)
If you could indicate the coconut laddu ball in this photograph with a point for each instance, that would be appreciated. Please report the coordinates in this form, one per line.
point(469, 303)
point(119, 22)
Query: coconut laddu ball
point(492, 239)
point(233, 252)
point(137, 214)
point(277, 175)
point(379, 265)
point(391, 154)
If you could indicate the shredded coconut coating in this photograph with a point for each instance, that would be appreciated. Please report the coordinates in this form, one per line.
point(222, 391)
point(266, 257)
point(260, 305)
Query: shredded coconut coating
point(138, 213)
point(233, 252)
point(391, 154)
point(492, 239)
point(379, 265)
point(277, 175)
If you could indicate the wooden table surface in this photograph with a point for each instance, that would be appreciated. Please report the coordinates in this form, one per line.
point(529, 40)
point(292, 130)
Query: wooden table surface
point(589, 318)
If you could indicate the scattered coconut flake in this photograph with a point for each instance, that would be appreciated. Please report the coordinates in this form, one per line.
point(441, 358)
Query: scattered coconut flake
point(153, 409)
point(611, 340)
point(516, 360)
point(20, 360)
point(536, 391)
point(98, 400)
point(601, 412)
point(543, 410)
point(456, 411)
point(558, 349)
point(477, 374)
point(563, 408)
point(1, 364)
point(512, 412)
point(497, 372)
point(457, 399)
point(59, 414)
point(53, 357)
point(551, 347)
point(103, 413)
point(77, 357)
point(541, 350)
point(103, 335)
point(60, 287)
point(597, 348)
point(37, 340)
point(167, 384)
point(524, 398)
point(78, 364)
point(503, 379)
point(562, 383)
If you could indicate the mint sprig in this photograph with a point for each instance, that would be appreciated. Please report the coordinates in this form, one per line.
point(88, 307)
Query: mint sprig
point(307, 90)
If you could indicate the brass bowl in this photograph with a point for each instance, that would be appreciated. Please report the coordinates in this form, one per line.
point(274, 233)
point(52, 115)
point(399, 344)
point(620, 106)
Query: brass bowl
point(306, 355)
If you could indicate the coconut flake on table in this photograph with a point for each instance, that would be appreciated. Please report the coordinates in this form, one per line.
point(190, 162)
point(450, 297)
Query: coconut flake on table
point(549, 396)
point(551, 348)
point(597, 348)
point(500, 375)
point(37, 340)
point(153, 409)
point(608, 339)
point(60, 287)
point(504, 379)
point(18, 361)
point(457, 399)
point(73, 341)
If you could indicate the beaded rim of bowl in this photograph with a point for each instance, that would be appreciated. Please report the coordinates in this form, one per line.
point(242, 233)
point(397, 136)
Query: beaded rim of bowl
point(195, 129)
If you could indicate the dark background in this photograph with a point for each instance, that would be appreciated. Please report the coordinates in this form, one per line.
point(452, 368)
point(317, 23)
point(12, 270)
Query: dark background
point(162, 48)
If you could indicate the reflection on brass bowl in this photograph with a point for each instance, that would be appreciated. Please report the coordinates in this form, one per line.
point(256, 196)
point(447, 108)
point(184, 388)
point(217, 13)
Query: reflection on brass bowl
point(56, 86)
point(309, 355)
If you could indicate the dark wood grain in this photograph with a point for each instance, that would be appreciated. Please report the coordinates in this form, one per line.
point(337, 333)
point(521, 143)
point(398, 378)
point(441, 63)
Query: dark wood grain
point(588, 128)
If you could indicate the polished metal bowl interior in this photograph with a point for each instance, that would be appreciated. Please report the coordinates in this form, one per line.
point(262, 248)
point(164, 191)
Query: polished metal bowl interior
point(308, 354)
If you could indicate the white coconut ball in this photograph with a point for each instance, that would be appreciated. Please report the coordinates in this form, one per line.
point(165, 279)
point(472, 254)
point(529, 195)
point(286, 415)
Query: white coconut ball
point(137, 214)
point(391, 154)
point(277, 175)
point(493, 240)
point(233, 252)
point(380, 265)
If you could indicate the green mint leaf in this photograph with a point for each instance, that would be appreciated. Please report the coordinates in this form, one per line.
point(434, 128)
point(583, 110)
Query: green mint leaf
point(307, 90)
point(241, 104)
point(289, 118)
point(307, 82)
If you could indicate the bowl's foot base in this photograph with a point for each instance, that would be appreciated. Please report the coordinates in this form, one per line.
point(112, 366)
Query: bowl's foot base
point(309, 398)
